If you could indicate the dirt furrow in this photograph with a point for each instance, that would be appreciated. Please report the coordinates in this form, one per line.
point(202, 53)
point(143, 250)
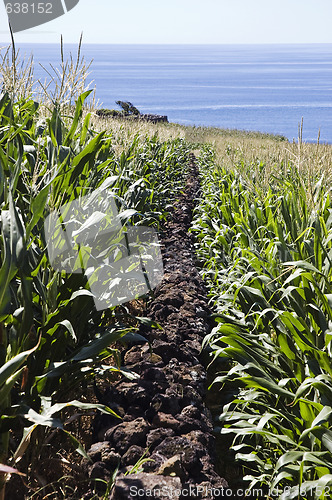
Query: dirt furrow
point(163, 411)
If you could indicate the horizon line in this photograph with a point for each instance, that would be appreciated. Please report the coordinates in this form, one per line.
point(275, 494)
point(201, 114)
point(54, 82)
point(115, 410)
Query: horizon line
point(169, 43)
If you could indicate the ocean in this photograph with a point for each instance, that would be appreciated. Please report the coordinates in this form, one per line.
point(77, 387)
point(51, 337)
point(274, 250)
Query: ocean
point(266, 88)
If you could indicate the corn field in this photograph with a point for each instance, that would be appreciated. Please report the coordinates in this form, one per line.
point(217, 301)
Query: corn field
point(263, 232)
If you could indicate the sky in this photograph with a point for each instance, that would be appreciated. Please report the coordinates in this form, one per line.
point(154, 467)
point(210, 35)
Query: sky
point(184, 22)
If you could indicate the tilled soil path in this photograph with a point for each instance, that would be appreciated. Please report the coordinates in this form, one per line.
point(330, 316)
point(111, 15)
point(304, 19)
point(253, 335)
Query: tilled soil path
point(164, 410)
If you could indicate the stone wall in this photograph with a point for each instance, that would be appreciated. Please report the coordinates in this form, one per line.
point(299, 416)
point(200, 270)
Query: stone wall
point(148, 117)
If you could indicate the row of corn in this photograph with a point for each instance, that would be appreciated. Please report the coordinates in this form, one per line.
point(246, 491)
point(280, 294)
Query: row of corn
point(267, 260)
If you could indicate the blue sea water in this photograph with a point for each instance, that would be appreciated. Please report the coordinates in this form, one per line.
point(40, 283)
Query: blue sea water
point(268, 88)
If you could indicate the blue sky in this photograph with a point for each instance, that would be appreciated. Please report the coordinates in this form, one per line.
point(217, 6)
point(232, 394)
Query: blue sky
point(185, 21)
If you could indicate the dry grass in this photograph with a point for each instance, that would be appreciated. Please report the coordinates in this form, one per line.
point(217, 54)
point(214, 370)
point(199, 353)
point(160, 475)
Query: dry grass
point(124, 130)
point(260, 159)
